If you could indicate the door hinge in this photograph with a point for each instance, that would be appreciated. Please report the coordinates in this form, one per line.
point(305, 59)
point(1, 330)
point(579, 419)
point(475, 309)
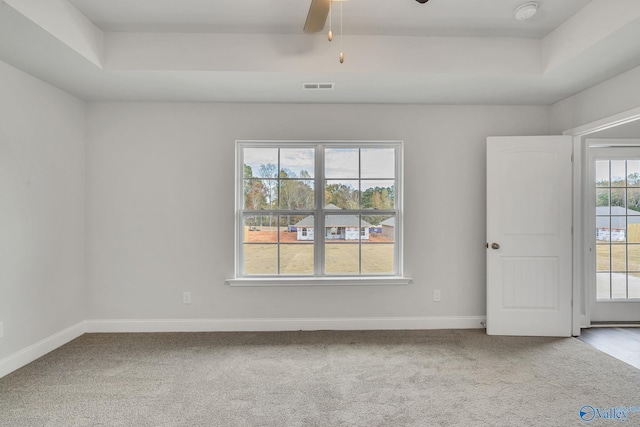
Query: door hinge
point(572, 158)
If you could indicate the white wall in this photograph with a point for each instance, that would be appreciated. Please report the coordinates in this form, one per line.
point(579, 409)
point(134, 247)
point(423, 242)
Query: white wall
point(161, 206)
point(42, 215)
point(613, 96)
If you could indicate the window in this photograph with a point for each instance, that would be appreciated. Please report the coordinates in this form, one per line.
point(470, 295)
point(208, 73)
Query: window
point(617, 220)
point(307, 209)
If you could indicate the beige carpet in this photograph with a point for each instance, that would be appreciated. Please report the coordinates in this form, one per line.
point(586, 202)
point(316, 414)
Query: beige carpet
point(372, 378)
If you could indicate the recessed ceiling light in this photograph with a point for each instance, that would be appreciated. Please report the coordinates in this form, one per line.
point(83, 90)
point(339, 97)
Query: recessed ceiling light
point(526, 11)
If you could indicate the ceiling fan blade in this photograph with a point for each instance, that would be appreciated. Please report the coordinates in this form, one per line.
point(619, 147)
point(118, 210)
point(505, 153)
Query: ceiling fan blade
point(317, 17)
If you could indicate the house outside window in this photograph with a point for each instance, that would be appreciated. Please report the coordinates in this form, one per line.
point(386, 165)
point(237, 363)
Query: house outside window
point(306, 209)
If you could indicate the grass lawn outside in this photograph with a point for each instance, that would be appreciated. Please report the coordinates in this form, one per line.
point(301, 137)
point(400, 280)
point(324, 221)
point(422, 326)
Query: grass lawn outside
point(297, 257)
point(612, 263)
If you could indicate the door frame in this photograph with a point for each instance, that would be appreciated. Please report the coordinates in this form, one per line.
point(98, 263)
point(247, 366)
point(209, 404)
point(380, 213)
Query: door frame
point(581, 298)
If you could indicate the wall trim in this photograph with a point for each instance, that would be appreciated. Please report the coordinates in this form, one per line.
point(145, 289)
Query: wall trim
point(27, 355)
point(285, 324)
point(584, 322)
point(605, 123)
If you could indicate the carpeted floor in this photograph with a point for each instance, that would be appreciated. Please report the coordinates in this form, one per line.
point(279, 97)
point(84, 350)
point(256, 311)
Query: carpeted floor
point(364, 378)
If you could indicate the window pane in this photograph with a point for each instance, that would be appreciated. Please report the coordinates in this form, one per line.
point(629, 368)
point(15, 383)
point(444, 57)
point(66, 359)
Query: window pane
point(602, 201)
point(260, 162)
point(341, 194)
point(300, 230)
point(603, 228)
point(345, 227)
point(618, 257)
point(271, 188)
point(296, 258)
point(633, 201)
point(377, 258)
point(378, 194)
point(602, 173)
point(633, 254)
point(602, 258)
point(634, 285)
point(618, 173)
point(618, 228)
point(633, 173)
point(382, 228)
point(633, 229)
point(378, 163)
point(341, 163)
point(618, 285)
point(297, 162)
point(261, 228)
point(289, 225)
point(342, 258)
point(603, 291)
point(260, 259)
point(618, 199)
point(259, 193)
point(296, 194)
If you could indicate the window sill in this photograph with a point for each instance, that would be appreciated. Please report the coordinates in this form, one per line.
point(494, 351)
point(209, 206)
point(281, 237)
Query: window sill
point(320, 281)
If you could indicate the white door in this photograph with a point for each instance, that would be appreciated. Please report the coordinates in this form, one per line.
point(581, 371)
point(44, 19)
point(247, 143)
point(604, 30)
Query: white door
point(529, 256)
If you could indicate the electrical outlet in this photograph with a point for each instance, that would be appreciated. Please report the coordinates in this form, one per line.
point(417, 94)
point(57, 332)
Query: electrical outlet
point(436, 295)
point(186, 297)
point(1, 329)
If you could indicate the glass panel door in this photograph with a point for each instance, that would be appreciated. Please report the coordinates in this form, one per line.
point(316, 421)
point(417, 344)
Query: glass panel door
point(614, 233)
point(617, 229)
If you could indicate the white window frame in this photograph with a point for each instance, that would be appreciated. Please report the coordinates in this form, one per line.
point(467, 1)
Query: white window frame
point(319, 278)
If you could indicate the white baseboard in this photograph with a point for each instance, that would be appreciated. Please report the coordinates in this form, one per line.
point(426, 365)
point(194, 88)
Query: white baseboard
point(584, 322)
point(29, 354)
point(299, 324)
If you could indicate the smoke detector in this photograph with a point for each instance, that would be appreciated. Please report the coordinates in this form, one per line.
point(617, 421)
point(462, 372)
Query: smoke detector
point(526, 10)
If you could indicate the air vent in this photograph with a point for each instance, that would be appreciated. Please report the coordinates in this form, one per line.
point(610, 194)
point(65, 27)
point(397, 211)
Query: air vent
point(318, 86)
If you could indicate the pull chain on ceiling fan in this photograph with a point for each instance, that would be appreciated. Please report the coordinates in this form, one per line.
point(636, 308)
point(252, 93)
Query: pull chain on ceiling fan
point(317, 18)
point(318, 12)
point(330, 34)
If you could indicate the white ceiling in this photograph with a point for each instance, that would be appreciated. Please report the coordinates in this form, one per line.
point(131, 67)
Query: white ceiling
point(493, 18)
point(442, 52)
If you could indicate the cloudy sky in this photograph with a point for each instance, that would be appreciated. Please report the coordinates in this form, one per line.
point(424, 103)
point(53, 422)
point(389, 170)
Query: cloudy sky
point(617, 169)
point(340, 164)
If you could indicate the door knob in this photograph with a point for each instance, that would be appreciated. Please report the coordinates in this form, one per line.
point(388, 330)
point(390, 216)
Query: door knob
point(495, 246)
